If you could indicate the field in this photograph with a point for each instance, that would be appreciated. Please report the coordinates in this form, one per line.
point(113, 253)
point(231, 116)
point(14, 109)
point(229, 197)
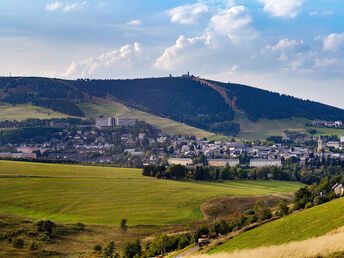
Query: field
point(96, 195)
point(22, 112)
point(310, 223)
point(264, 128)
point(115, 109)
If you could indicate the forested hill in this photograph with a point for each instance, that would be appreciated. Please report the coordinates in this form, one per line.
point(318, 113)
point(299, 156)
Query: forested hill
point(204, 104)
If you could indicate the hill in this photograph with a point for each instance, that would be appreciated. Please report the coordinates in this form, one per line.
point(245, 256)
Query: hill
point(313, 222)
point(103, 195)
point(204, 104)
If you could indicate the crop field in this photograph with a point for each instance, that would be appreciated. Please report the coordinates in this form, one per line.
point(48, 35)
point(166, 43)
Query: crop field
point(22, 112)
point(97, 195)
point(115, 109)
point(310, 223)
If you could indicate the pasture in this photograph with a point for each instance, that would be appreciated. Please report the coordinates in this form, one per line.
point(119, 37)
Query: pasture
point(24, 111)
point(99, 195)
point(310, 223)
point(116, 109)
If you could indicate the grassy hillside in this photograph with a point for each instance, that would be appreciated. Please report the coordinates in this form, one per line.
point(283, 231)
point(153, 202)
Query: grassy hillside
point(22, 112)
point(99, 195)
point(115, 109)
point(264, 128)
point(310, 223)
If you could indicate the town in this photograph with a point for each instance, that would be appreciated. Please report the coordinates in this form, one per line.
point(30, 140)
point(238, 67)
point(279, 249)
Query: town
point(131, 143)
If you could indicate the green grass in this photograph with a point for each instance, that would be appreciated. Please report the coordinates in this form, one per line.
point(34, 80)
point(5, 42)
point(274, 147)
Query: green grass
point(310, 223)
point(22, 112)
point(264, 128)
point(114, 193)
point(115, 109)
point(327, 131)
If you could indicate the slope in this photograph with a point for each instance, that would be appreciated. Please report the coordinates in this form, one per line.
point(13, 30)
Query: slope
point(310, 223)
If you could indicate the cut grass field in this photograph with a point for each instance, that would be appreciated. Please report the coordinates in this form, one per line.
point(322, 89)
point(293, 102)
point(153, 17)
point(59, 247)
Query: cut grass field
point(22, 112)
point(97, 195)
point(264, 128)
point(115, 109)
point(310, 223)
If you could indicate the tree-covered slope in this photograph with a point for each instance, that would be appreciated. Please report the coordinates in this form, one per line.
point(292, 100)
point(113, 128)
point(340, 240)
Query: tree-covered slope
point(200, 103)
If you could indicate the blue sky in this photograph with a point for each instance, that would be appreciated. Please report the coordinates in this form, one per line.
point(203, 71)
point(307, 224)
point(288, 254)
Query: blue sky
point(289, 46)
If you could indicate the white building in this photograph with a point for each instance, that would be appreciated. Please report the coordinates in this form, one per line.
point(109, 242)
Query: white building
point(125, 122)
point(265, 162)
point(179, 161)
point(333, 144)
point(338, 123)
point(105, 122)
point(223, 162)
point(342, 138)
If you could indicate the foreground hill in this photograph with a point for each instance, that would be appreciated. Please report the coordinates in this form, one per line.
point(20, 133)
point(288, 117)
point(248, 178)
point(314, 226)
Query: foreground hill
point(313, 222)
point(196, 102)
point(103, 195)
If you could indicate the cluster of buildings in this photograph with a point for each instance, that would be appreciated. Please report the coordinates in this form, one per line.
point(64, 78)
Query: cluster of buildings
point(103, 123)
point(322, 123)
point(325, 146)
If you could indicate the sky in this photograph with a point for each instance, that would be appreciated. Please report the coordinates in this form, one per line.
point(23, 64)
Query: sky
point(294, 47)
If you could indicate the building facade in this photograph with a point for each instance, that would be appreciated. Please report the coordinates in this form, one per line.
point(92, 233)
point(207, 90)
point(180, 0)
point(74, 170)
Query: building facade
point(265, 162)
point(223, 162)
point(179, 161)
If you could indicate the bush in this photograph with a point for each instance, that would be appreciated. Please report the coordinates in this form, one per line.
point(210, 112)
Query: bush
point(132, 249)
point(308, 205)
point(109, 249)
point(33, 246)
point(45, 226)
point(183, 242)
point(97, 248)
point(43, 237)
point(18, 243)
point(80, 225)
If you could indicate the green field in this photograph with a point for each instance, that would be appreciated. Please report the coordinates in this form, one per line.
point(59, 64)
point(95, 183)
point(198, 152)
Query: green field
point(22, 112)
point(97, 195)
point(264, 128)
point(115, 109)
point(310, 223)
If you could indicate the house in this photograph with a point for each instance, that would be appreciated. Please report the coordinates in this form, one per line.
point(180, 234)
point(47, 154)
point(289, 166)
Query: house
point(342, 138)
point(333, 144)
point(223, 162)
point(265, 162)
point(338, 189)
point(179, 161)
point(203, 240)
point(338, 123)
point(19, 155)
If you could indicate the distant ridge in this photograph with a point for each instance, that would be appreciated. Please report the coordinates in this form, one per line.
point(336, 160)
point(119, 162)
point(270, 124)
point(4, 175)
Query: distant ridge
point(205, 104)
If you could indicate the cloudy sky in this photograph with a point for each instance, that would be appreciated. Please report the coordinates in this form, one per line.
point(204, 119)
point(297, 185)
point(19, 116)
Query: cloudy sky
point(289, 46)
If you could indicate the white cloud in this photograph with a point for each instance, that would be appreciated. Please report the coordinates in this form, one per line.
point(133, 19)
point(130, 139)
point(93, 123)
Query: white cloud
point(325, 13)
point(69, 7)
point(65, 7)
point(333, 42)
point(176, 55)
point(134, 22)
point(124, 58)
point(325, 62)
point(285, 44)
point(234, 23)
point(188, 14)
point(283, 8)
point(54, 6)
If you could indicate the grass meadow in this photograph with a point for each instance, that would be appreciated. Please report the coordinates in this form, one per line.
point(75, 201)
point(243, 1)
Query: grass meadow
point(22, 112)
point(99, 195)
point(115, 109)
point(307, 224)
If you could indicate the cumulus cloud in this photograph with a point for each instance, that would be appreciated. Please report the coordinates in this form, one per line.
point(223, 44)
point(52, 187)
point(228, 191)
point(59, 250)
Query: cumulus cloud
point(188, 14)
point(66, 7)
point(176, 55)
point(234, 22)
point(124, 58)
point(333, 42)
point(283, 8)
point(54, 6)
point(285, 44)
point(134, 22)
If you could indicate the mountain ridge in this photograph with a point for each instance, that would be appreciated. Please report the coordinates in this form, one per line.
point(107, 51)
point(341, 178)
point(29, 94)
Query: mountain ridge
point(198, 102)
